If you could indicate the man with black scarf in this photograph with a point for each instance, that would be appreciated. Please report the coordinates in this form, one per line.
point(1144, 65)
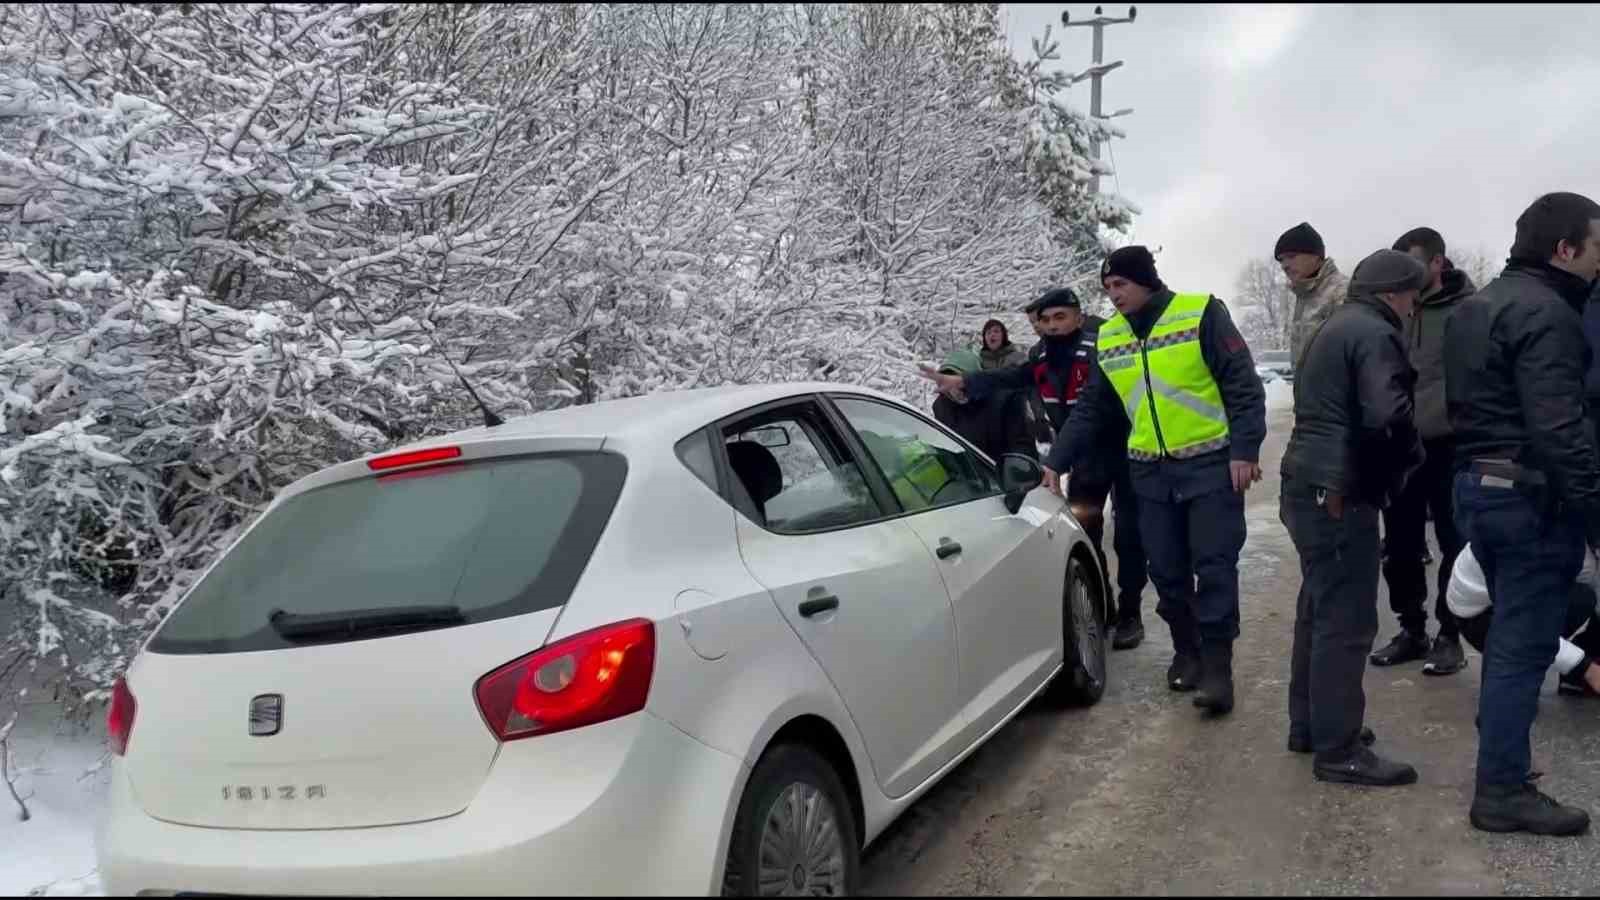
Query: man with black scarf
point(1058, 375)
point(1527, 486)
point(1353, 446)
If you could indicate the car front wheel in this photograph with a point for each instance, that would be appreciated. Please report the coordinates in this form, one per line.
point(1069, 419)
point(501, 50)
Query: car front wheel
point(793, 835)
point(1082, 680)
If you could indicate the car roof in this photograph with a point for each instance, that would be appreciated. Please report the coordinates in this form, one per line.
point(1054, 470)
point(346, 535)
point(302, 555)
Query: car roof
point(634, 425)
point(663, 415)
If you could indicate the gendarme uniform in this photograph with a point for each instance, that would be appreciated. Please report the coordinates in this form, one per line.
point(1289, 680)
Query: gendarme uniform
point(1169, 395)
point(1178, 376)
point(1057, 376)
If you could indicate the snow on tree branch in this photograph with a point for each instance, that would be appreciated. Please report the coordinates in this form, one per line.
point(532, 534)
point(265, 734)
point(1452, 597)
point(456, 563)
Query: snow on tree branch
point(238, 247)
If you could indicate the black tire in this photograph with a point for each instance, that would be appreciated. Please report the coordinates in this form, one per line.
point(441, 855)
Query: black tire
point(1082, 680)
point(782, 768)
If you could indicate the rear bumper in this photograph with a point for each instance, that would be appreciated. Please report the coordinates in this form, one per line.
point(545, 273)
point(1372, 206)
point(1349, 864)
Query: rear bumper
point(633, 806)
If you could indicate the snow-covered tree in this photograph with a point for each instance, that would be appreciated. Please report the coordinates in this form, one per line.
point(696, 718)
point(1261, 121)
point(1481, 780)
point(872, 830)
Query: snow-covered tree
point(1263, 304)
point(242, 242)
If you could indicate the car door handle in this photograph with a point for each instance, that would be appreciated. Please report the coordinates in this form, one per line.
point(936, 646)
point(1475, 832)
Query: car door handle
point(947, 549)
point(816, 605)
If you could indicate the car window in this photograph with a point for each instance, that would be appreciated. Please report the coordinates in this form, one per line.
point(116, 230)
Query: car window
point(924, 466)
point(795, 475)
point(496, 538)
point(694, 452)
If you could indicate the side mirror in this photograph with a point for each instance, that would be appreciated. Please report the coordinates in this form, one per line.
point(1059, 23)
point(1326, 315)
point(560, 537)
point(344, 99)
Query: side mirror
point(1019, 474)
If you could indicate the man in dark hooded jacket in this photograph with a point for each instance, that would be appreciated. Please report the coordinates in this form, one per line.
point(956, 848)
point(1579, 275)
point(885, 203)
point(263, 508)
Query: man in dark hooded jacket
point(1527, 484)
point(1353, 446)
point(1405, 520)
point(1058, 374)
point(997, 425)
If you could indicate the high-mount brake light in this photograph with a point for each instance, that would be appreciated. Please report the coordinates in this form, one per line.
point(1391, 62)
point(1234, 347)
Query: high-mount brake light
point(412, 458)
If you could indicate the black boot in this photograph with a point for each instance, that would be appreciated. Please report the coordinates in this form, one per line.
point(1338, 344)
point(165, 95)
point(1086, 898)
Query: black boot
point(1521, 807)
point(1300, 741)
point(1446, 657)
point(1184, 673)
point(1216, 679)
point(1364, 767)
point(1405, 647)
point(1129, 632)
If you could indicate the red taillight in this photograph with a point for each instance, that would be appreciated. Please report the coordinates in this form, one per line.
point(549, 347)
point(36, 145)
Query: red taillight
point(119, 719)
point(590, 677)
point(413, 457)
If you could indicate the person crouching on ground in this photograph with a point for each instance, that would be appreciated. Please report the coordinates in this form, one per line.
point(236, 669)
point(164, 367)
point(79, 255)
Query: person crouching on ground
point(1578, 656)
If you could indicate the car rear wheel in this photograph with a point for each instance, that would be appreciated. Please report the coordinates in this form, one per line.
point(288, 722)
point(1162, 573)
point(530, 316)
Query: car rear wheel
point(793, 835)
point(1082, 680)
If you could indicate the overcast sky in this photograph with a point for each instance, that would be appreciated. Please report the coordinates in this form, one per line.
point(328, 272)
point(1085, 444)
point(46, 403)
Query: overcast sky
point(1364, 120)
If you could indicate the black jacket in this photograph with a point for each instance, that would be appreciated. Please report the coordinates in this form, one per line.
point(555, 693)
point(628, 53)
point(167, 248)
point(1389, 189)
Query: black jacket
point(1043, 433)
point(1059, 388)
point(1425, 348)
point(1354, 432)
point(1591, 336)
point(1099, 412)
point(1515, 360)
point(997, 425)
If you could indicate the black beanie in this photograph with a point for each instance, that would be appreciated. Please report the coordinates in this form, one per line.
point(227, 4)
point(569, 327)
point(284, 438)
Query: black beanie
point(1134, 263)
point(1550, 220)
point(1300, 239)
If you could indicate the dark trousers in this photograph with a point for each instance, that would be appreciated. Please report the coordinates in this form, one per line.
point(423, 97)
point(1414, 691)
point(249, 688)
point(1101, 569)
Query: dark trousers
point(1336, 616)
point(1132, 568)
point(1581, 627)
point(1193, 546)
point(1405, 524)
point(1530, 556)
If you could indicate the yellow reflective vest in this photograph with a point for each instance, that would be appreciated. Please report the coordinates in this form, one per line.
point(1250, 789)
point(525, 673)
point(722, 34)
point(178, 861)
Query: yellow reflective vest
point(1168, 392)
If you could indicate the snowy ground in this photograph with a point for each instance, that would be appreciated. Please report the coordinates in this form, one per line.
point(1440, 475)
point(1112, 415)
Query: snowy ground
point(58, 771)
point(1280, 395)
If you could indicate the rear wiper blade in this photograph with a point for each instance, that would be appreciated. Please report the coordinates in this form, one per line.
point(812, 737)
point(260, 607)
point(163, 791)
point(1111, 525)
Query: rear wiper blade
point(359, 622)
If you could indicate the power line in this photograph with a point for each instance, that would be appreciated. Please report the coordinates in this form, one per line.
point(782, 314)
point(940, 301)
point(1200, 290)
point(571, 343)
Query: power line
point(1116, 176)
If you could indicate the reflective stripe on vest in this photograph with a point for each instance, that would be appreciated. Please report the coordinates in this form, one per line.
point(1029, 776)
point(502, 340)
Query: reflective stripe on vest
point(1168, 392)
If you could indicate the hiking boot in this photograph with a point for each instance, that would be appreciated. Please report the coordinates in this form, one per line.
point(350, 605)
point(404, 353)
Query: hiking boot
point(1128, 634)
point(1216, 679)
point(1521, 807)
point(1184, 673)
point(1446, 657)
point(1300, 741)
point(1364, 767)
point(1404, 648)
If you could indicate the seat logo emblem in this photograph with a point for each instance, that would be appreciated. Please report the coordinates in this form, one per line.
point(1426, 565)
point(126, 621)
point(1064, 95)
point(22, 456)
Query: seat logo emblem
point(266, 715)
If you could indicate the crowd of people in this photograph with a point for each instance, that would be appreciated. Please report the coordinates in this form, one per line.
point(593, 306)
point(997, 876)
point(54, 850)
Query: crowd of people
point(1418, 397)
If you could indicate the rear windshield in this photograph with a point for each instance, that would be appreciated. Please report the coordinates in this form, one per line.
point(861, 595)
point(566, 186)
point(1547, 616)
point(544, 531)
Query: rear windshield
point(498, 538)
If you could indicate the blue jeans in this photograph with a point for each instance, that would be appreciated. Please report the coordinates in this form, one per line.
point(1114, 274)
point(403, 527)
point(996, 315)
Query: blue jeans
point(1530, 558)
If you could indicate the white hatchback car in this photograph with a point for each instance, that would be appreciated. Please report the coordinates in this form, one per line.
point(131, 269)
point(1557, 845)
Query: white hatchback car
point(678, 644)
